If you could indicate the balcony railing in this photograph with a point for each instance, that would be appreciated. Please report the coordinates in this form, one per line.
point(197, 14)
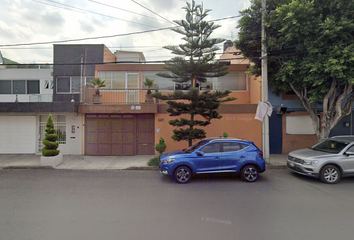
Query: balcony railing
point(116, 96)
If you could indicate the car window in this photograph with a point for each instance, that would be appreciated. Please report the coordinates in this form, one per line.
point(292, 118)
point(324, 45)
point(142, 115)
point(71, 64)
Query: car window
point(232, 146)
point(330, 146)
point(196, 146)
point(351, 149)
point(211, 148)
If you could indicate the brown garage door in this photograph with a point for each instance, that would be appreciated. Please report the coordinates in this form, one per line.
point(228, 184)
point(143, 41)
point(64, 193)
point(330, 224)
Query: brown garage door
point(119, 135)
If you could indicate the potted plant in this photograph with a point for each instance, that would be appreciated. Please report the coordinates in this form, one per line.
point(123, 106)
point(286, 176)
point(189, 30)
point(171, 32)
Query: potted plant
point(50, 153)
point(97, 83)
point(149, 83)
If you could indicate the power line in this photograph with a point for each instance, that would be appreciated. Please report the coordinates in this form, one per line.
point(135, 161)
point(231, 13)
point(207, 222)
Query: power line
point(90, 12)
point(92, 38)
point(152, 11)
point(107, 5)
point(82, 39)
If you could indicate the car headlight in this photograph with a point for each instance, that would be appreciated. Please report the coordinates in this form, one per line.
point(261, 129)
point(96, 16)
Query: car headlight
point(168, 160)
point(309, 162)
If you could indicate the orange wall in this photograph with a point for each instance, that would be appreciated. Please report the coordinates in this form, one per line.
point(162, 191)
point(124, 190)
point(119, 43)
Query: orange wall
point(255, 89)
point(242, 126)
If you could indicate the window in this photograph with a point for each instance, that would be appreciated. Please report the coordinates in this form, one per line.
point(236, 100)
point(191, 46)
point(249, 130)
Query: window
point(163, 84)
point(19, 87)
point(301, 124)
point(232, 146)
point(211, 148)
point(118, 80)
point(59, 125)
point(232, 81)
point(71, 84)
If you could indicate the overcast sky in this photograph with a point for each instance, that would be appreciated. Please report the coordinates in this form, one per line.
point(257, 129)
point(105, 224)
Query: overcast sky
point(35, 21)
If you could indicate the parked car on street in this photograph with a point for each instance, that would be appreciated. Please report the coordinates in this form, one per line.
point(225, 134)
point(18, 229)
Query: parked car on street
point(214, 155)
point(328, 160)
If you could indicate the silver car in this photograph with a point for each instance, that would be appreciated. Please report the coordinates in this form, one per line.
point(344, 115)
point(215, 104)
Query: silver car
point(328, 160)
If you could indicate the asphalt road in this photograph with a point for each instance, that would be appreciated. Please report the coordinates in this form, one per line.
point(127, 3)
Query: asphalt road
point(60, 204)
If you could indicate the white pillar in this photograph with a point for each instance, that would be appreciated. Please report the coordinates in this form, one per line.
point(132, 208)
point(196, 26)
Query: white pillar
point(265, 123)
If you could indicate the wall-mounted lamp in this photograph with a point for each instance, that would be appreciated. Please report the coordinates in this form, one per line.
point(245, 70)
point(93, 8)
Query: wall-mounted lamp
point(280, 109)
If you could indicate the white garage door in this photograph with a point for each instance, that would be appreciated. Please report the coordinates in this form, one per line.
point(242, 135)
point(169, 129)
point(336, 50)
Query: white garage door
point(17, 134)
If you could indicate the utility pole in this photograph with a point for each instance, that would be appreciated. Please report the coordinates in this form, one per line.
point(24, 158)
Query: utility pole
point(265, 123)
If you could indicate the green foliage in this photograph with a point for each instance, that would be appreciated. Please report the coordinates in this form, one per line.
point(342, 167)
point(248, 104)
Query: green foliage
point(149, 83)
point(225, 134)
point(154, 162)
point(310, 51)
point(97, 83)
point(50, 140)
point(196, 57)
point(161, 146)
point(195, 62)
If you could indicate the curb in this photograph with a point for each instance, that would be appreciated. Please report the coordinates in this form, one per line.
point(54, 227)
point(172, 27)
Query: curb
point(27, 167)
point(268, 167)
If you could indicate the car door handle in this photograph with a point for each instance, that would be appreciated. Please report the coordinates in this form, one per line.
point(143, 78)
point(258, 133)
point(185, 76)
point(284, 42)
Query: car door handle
point(242, 156)
point(217, 158)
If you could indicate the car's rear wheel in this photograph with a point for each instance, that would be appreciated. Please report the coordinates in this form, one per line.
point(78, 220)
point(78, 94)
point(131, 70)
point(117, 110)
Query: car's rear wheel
point(249, 173)
point(182, 174)
point(330, 174)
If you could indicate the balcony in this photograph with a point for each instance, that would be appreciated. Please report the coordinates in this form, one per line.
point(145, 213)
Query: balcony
point(116, 101)
point(116, 96)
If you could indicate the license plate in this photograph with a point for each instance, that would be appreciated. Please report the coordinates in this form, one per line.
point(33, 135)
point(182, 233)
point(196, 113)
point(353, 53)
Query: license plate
point(291, 164)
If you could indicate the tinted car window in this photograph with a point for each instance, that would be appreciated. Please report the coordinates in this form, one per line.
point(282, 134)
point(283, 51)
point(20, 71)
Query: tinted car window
point(211, 148)
point(330, 146)
point(196, 146)
point(232, 146)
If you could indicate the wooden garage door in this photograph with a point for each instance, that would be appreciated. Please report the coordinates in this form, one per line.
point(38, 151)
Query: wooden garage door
point(119, 135)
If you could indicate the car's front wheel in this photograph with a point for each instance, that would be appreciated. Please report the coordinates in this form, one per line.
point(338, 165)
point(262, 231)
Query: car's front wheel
point(249, 173)
point(330, 174)
point(182, 174)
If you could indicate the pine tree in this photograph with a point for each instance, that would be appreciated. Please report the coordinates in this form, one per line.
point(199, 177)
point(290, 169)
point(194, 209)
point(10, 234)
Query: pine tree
point(50, 140)
point(195, 63)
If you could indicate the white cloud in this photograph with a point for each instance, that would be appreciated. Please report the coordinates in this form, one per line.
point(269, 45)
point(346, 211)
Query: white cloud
point(25, 21)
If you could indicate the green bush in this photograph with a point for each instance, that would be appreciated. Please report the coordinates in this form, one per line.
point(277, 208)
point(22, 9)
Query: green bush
point(154, 162)
point(50, 140)
point(161, 146)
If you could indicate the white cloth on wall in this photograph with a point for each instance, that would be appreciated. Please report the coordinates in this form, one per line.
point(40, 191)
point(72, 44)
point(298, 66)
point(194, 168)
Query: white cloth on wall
point(263, 108)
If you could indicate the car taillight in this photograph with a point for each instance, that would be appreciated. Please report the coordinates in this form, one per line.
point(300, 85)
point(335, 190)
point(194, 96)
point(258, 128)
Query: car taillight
point(260, 153)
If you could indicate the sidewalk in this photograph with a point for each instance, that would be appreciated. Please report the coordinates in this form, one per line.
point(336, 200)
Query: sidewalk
point(80, 162)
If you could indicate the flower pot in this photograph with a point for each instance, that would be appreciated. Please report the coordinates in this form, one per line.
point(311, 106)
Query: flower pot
point(51, 161)
point(97, 99)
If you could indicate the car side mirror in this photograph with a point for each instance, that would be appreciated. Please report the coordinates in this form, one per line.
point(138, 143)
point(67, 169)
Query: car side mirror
point(349, 153)
point(200, 153)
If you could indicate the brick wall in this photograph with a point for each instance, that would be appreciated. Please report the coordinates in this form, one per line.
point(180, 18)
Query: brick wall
point(293, 142)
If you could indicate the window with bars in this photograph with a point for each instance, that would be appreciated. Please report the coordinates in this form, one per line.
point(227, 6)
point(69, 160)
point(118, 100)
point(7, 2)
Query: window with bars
point(59, 125)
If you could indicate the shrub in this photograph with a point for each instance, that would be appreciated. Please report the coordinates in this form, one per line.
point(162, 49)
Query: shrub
point(161, 146)
point(50, 140)
point(154, 162)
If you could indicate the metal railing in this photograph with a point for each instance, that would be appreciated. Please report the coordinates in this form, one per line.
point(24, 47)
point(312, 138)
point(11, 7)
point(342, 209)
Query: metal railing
point(116, 96)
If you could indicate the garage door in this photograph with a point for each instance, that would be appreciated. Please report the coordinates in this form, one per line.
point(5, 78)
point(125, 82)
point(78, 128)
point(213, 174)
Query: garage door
point(119, 135)
point(18, 134)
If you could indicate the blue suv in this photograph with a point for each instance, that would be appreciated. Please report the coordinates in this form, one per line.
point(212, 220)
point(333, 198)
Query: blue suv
point(214, 155)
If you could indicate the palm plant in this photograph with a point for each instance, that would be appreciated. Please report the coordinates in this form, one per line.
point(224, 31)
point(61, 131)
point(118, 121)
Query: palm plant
point(149, 83)
point(97, 83)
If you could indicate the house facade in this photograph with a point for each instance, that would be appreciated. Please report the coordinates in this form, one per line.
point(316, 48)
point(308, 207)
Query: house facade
point(26, 99)
point(290, 126)
point(123, 122)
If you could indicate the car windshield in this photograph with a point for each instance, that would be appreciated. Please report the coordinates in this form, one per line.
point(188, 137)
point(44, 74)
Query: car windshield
point(196, 146)
point(330, 146)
